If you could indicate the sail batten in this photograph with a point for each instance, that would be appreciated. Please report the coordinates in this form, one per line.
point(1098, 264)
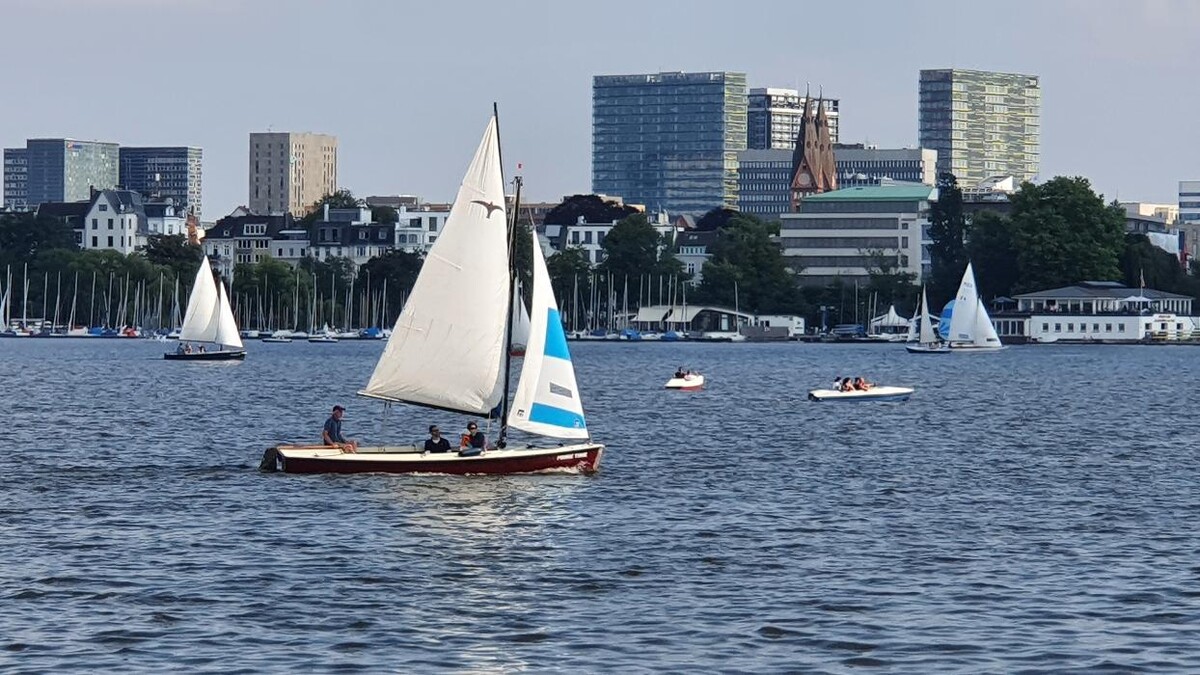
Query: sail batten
point(447, 347)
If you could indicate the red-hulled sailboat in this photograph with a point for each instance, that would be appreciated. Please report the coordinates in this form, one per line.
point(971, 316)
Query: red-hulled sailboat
point(451, 350)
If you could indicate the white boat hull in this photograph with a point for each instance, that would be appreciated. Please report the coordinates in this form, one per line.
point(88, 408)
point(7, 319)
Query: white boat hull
point(694, 381)
point(927, 349)
point(872, 394)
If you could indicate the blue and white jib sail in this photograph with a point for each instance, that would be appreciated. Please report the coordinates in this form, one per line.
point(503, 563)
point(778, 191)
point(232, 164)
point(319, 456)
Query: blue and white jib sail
point(547, 399)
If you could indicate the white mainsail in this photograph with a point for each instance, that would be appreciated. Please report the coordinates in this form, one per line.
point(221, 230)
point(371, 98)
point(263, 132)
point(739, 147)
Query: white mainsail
point(447, 347)
point(547, 399)
point(927, 334)
point(202, 316)
point(227, 329)
point(520, 319)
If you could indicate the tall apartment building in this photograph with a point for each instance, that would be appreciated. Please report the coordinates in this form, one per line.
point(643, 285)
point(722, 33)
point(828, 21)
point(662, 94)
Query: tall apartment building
point(1189, 201)
point(289, 172)
point(669, 140)
point(981, 123)
point(58, 170)
point(764, 175)
point(773, 118)
point(162, 173)
point(16, 179)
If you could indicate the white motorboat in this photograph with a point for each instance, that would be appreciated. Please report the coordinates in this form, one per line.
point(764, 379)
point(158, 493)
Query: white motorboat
point(688, 381)
point(875, 393)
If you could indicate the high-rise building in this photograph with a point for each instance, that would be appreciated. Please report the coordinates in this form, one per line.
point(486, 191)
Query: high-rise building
point(773, 118)
point(290, 172)
point(162, 173)
point(16, 178)
point(66, 170)
point(981, 123)
point(1189, 201)
point(764, 175)
point(669, 141)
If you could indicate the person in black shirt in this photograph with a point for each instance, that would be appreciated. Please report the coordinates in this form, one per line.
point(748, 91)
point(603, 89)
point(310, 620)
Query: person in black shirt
point(435, 442)
point(473, 439)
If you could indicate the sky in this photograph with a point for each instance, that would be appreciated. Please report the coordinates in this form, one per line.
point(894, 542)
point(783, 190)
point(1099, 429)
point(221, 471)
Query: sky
point(407, 87)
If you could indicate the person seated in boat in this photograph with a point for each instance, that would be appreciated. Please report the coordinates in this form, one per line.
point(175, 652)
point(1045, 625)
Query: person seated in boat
point(680, 373)
point(332, 433)
point(847, 385)
point(201, 348)
point(861, 384)
point(180, 348)
point(436, 442)
point(473, 439)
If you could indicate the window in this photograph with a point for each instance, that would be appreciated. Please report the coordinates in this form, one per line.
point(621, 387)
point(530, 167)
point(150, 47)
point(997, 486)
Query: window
point(1058, 328)
point(1108, 328)
point(1045, 328)
point(362, 235)
point(1070, 328)
point(103, 207)
point(1095, 328)
point(94, 244)
point(433, 224)
point(110, 244)
point(95, 223)
point(280, 255)
point(110, 223)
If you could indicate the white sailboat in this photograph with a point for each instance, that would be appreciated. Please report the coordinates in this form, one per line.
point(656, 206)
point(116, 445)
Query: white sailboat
point(970, 326)
point(520, 322)
point(926, 338)
point(208, 319)
point(449, 350)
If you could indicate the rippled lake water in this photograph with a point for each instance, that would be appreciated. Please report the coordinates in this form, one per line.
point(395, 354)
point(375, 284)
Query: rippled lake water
point(1032, 510)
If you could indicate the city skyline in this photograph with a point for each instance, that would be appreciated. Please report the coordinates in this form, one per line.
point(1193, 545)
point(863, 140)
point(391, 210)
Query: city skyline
point(404, 111)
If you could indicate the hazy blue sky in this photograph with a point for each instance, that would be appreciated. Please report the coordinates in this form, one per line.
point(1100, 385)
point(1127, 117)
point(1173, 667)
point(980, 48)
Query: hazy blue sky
point(407, 86)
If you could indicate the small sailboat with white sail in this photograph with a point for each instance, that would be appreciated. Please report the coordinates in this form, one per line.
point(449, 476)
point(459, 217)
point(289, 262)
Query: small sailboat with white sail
point(971, 328)
point(208, 320)
point(927, 340)
point(450, 351)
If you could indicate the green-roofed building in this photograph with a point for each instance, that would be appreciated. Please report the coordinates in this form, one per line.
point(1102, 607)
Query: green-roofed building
point(843, 234)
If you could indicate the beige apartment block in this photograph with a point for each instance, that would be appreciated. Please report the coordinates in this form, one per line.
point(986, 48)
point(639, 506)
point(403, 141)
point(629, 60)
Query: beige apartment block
point(291, 171)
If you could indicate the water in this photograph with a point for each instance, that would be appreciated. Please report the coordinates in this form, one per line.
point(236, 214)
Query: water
point(1027, 511)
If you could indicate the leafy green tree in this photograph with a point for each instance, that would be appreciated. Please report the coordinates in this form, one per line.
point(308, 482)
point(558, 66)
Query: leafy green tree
point(633, 247)
point(745, 253)
point(173, 251)
point(340, 199)
point(399, 269)
point(1141, 259)
point(23, 235)
point(716, 219)
point(947, 233)
point(567, 269)
point(1063, 233)
point(993, 255)
point(889, 282)
point(591, 207)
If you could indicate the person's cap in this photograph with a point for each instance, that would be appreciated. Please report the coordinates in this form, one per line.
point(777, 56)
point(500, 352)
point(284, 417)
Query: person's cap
point(337, 408)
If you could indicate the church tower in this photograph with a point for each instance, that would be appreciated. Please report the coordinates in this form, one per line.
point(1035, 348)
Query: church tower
point(814, 169)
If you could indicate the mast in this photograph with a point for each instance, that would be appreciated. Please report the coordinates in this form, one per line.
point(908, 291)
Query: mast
point(512, 273)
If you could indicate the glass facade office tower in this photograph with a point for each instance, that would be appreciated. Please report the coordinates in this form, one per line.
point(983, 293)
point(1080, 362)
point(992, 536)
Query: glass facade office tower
point(981, 123)
point(161, 173)
point(773, 118)
point(65, 170)
point(669, 140)
point(16, 175)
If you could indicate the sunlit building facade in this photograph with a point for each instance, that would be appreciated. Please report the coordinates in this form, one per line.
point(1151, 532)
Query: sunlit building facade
point(981, 123)
point(774, 117)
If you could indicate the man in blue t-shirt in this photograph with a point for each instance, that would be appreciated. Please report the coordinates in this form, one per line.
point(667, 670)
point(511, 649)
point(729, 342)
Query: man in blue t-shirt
point(332, 433)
